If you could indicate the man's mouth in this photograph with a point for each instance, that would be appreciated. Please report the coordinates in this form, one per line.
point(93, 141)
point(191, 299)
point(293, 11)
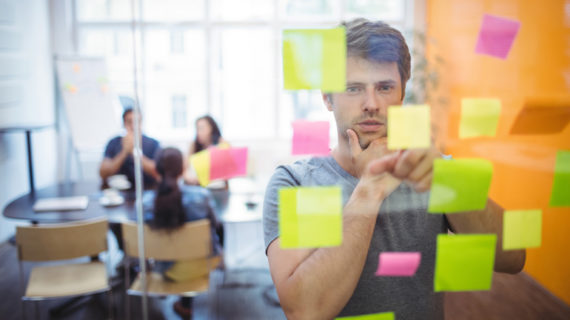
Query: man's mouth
point(370, 125)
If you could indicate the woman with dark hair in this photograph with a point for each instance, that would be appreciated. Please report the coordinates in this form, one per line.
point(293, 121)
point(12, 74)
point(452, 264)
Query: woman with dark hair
point(207, 135)
point(170, 207)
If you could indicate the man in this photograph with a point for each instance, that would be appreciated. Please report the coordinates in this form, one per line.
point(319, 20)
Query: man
point(384, 196)
point(119, 155)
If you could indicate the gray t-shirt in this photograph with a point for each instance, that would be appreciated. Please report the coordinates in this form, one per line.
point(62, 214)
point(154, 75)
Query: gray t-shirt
point(403, 225)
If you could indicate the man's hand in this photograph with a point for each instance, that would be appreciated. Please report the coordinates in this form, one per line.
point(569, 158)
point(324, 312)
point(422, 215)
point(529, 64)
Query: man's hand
point(128, 143)
point(416, 167)
point(373, 166)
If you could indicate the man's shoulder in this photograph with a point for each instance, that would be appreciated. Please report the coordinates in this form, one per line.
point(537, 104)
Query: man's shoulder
point(300, 172)
point(147, 139)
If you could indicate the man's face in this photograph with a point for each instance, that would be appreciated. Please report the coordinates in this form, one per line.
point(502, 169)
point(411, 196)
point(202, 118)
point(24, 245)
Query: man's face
point(128, 122)
point(371, 88)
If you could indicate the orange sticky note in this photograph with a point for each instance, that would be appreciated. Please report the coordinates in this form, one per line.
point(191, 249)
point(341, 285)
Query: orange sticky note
point(543, 115)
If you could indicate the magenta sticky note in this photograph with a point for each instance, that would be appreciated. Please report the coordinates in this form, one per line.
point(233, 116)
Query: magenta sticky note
point(311, 137)
point(496, 36)
point(398, 264)
point(222, 164)
point(239, 156)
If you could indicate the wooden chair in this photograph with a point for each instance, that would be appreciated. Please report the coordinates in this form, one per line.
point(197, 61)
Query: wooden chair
point(63, 242)
point(191, 244)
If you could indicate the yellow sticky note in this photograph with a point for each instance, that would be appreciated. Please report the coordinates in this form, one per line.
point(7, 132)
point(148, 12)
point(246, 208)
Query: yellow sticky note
point(408, 127)
point(314, 59)
point(479, 117)
point(310, 217)
point(522, 229)
point(460, 185)
point(464, 262)
point(374, 316)
point(201, 163)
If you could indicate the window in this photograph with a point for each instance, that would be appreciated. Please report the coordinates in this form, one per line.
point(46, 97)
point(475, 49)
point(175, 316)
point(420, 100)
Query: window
point(221, 57)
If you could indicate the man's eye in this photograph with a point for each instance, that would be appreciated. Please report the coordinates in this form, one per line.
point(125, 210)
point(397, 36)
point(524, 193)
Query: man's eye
point(385, 88)
point(353, 89)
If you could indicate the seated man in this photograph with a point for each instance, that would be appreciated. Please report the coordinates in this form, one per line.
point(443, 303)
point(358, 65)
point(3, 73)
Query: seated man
point(119, 155)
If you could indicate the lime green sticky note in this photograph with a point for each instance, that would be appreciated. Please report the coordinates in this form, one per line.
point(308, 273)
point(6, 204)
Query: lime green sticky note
point(522, 229)
point(314, 59)
point(479, 117)
point(464, 262)
point(408, 127)
point(459, 185)
point(560, 196)
point(310, 217)
point(374, 316)
point(200, 161)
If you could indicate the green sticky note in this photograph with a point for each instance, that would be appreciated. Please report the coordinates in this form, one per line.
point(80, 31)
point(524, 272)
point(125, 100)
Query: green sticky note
point(314, 59)
point(464, 262)
point(459, 185)
point(408, 127)
point(479, 117)
point(560, 196)
point(522, 229)
point(310, 217)
point(375, 316)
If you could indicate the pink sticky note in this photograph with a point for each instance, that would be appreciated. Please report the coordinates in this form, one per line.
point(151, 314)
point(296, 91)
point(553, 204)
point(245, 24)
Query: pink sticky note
point(496, 36)
point(311, 137)
point(239, 156)
point(227, 163)
point(399, 264)
point(222, 164)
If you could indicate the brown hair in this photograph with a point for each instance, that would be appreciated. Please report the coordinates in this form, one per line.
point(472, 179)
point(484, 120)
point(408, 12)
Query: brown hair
point(168, 209)
point(378, 42)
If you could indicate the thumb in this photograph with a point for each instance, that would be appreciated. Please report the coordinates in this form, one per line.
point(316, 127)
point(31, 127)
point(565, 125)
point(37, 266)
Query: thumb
point(353, 144)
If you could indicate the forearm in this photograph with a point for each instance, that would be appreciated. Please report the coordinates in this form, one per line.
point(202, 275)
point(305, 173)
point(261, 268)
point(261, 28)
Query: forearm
point(323, 282)
point(490, 220)
point(111, 166)
point(149, 166)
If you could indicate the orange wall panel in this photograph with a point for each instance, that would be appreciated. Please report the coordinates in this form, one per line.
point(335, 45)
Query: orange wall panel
point(538, 65)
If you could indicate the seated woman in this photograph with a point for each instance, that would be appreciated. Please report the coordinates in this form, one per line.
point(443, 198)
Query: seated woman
point(207, 135)
point(170, 207)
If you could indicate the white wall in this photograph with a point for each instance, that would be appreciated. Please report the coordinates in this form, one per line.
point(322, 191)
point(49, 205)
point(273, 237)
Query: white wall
point(26, 98)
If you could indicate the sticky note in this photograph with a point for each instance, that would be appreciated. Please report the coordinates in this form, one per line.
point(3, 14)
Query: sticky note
point(310, 217)
point(374, 316)
point(222, 164)
point(200, 161)
point(239, 156)
point(560, 196)
point(403, 264)
point(459, 185)
point(311, 137)
point(479, 117)
point(464, 262)
point(542, 115)
point(76, 67)
point(314, 59)
point(496, 36)
point(522, 229)
point(408, 127)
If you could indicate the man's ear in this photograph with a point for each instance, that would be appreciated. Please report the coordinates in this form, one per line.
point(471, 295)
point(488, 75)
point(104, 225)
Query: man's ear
point(327, 99)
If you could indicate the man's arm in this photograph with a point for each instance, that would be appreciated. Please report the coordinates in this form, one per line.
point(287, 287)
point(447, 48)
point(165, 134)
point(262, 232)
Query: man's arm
point(110, 166)
point(416, 166)
point(317, 283)
point(149, 167)
point(490, 220)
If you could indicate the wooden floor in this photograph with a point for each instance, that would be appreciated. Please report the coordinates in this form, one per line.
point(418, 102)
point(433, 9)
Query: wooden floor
point(249, 294)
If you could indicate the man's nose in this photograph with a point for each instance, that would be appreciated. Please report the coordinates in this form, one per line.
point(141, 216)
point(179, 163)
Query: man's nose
point(372, 102)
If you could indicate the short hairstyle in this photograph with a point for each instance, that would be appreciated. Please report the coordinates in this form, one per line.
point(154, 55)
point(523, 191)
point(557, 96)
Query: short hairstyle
point(378, 42)
point(126, 112)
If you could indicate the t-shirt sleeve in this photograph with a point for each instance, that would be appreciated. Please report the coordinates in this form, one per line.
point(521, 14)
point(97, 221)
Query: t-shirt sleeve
point(155, 149)
point(282, 178)
point(110, 150)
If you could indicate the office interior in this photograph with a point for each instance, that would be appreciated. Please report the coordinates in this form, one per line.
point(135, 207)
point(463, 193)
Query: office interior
point(181, 59)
